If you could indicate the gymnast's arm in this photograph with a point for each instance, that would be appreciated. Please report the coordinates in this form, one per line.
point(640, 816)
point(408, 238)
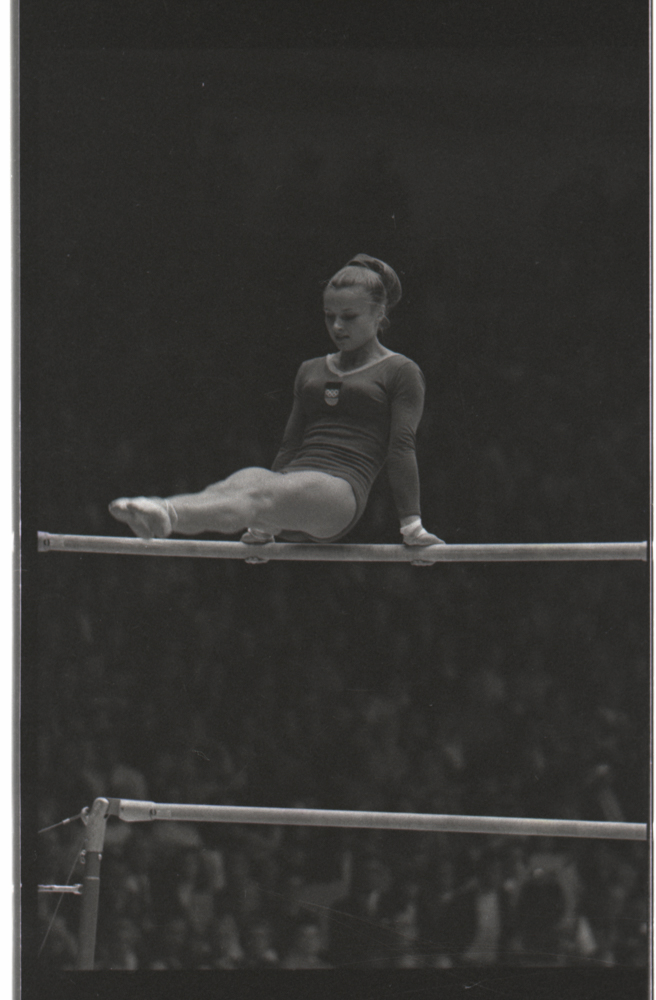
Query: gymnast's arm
point(293, 436)
point(407, 408)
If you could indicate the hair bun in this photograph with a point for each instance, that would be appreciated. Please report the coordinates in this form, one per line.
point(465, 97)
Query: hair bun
point(387, 275)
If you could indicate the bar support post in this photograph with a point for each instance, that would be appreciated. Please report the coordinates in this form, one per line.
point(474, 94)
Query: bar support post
point(96, 821)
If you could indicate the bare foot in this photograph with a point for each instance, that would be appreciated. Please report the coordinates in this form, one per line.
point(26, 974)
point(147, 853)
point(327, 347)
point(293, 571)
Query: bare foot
point(147, 516)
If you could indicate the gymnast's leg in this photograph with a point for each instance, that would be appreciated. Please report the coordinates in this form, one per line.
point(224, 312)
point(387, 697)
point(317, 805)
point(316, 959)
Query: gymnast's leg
point(269, 502)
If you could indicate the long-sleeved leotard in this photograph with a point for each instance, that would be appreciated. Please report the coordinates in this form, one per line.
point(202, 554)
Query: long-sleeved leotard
point(348, 424)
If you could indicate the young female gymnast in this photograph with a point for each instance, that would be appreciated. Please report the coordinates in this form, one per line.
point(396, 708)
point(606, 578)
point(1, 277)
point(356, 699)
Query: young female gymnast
point(353, 411)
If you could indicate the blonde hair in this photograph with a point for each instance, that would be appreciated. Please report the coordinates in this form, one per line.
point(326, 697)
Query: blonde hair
point(379, 280)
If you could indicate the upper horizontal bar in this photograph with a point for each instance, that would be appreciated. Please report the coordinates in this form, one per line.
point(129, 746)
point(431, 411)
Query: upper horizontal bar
point(135, 812)
point(541, 552)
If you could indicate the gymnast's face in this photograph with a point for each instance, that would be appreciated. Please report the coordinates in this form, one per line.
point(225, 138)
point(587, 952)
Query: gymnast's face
point(352, 317)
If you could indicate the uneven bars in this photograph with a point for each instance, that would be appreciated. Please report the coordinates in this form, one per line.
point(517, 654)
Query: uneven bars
point(134, 811)
point(309, 551)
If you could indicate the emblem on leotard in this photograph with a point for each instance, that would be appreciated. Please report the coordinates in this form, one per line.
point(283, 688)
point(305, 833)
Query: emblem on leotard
point(331, 393)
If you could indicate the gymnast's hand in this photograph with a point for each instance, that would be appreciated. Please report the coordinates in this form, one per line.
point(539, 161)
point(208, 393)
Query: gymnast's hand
point(255, 537)
point(414, 534)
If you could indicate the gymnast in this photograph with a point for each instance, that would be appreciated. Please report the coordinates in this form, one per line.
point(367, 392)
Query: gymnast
point(353, 411)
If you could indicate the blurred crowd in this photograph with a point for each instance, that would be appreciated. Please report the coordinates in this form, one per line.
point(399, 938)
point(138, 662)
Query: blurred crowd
point(290, 899)
point(484, 690)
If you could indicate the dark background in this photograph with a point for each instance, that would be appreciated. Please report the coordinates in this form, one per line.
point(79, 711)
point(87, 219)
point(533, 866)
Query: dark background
point(183, 208)
point(190, 206)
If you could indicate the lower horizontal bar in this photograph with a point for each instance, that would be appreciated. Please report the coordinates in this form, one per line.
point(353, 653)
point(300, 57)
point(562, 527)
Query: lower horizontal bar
point(191, 547)
point(135, 811)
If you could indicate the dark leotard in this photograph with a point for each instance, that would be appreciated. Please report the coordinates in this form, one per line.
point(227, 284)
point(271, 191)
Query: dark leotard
point(348, 424)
